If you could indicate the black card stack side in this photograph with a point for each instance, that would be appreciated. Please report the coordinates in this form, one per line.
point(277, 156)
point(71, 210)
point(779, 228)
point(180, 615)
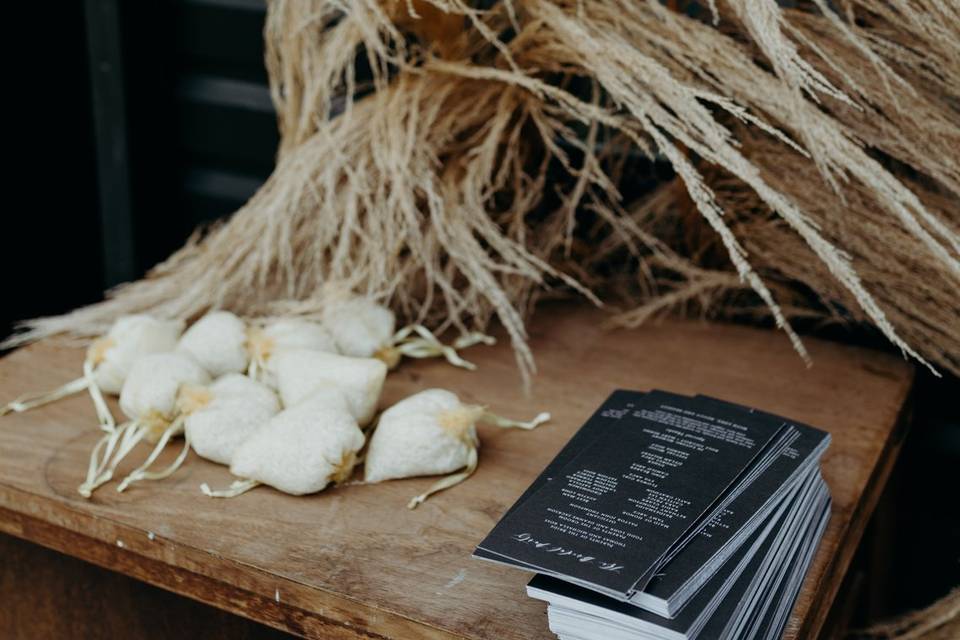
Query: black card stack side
point(670, 516)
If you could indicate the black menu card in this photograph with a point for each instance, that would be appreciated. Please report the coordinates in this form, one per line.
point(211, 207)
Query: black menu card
point(642, 485)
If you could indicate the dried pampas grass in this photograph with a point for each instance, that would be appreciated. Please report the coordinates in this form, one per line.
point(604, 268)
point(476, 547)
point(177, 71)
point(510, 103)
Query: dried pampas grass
point(908, 288)
point(488, 159)
point(939, 621)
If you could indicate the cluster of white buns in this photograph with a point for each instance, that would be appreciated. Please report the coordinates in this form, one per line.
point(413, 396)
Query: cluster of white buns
point(288, 403)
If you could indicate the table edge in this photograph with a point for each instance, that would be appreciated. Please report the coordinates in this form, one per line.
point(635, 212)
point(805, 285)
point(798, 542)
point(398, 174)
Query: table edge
point(129, 551)
point(839, 564)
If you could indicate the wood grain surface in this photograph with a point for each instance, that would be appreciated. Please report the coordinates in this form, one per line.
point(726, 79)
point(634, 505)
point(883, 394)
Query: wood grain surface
point(354, 562)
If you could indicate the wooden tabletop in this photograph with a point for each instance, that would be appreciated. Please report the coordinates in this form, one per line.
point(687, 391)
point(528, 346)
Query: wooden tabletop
point(354, 562)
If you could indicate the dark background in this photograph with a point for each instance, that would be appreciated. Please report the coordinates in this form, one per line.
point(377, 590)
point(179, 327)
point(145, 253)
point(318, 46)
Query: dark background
point(185, 133)
point(133, 122)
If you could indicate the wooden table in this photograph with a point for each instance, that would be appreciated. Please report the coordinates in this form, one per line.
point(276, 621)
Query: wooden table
point(354, 562)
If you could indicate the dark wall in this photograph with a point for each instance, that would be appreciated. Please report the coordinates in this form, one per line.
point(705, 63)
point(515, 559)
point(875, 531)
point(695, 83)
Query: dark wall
point(202, 127)
point(174, 96)
point(51, 253)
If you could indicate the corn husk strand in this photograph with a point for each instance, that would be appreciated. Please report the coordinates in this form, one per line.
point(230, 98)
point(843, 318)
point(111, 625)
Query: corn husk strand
point(416, 341)
point(189, 399)
point(299, 451)
point(431, 192)
point(215, 420)
point(430, 433)
point(236, 488)
point(107, 454)
point(34, 400)
point(143, 471)
point(107, 363)
point(149, 399)
point(365, 329)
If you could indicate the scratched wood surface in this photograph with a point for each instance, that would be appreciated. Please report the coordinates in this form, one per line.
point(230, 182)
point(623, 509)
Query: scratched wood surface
point(354, 562)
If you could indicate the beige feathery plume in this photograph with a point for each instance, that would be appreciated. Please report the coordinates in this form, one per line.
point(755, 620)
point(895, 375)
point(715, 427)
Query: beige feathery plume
point(484, 163)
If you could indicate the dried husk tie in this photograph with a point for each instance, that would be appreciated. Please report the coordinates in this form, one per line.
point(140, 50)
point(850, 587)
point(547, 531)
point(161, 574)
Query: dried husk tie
point(154, 428)
point(153, 398)
point(416, 341)
point(114, 447)
point(236, 488)
point(95, 355)
point(364, 328)
point(460, 423)
point(260, 348)
point(189, 399)
point(142, 472)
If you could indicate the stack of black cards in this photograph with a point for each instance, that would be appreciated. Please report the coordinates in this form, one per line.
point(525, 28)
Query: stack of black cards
point(669, 516)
